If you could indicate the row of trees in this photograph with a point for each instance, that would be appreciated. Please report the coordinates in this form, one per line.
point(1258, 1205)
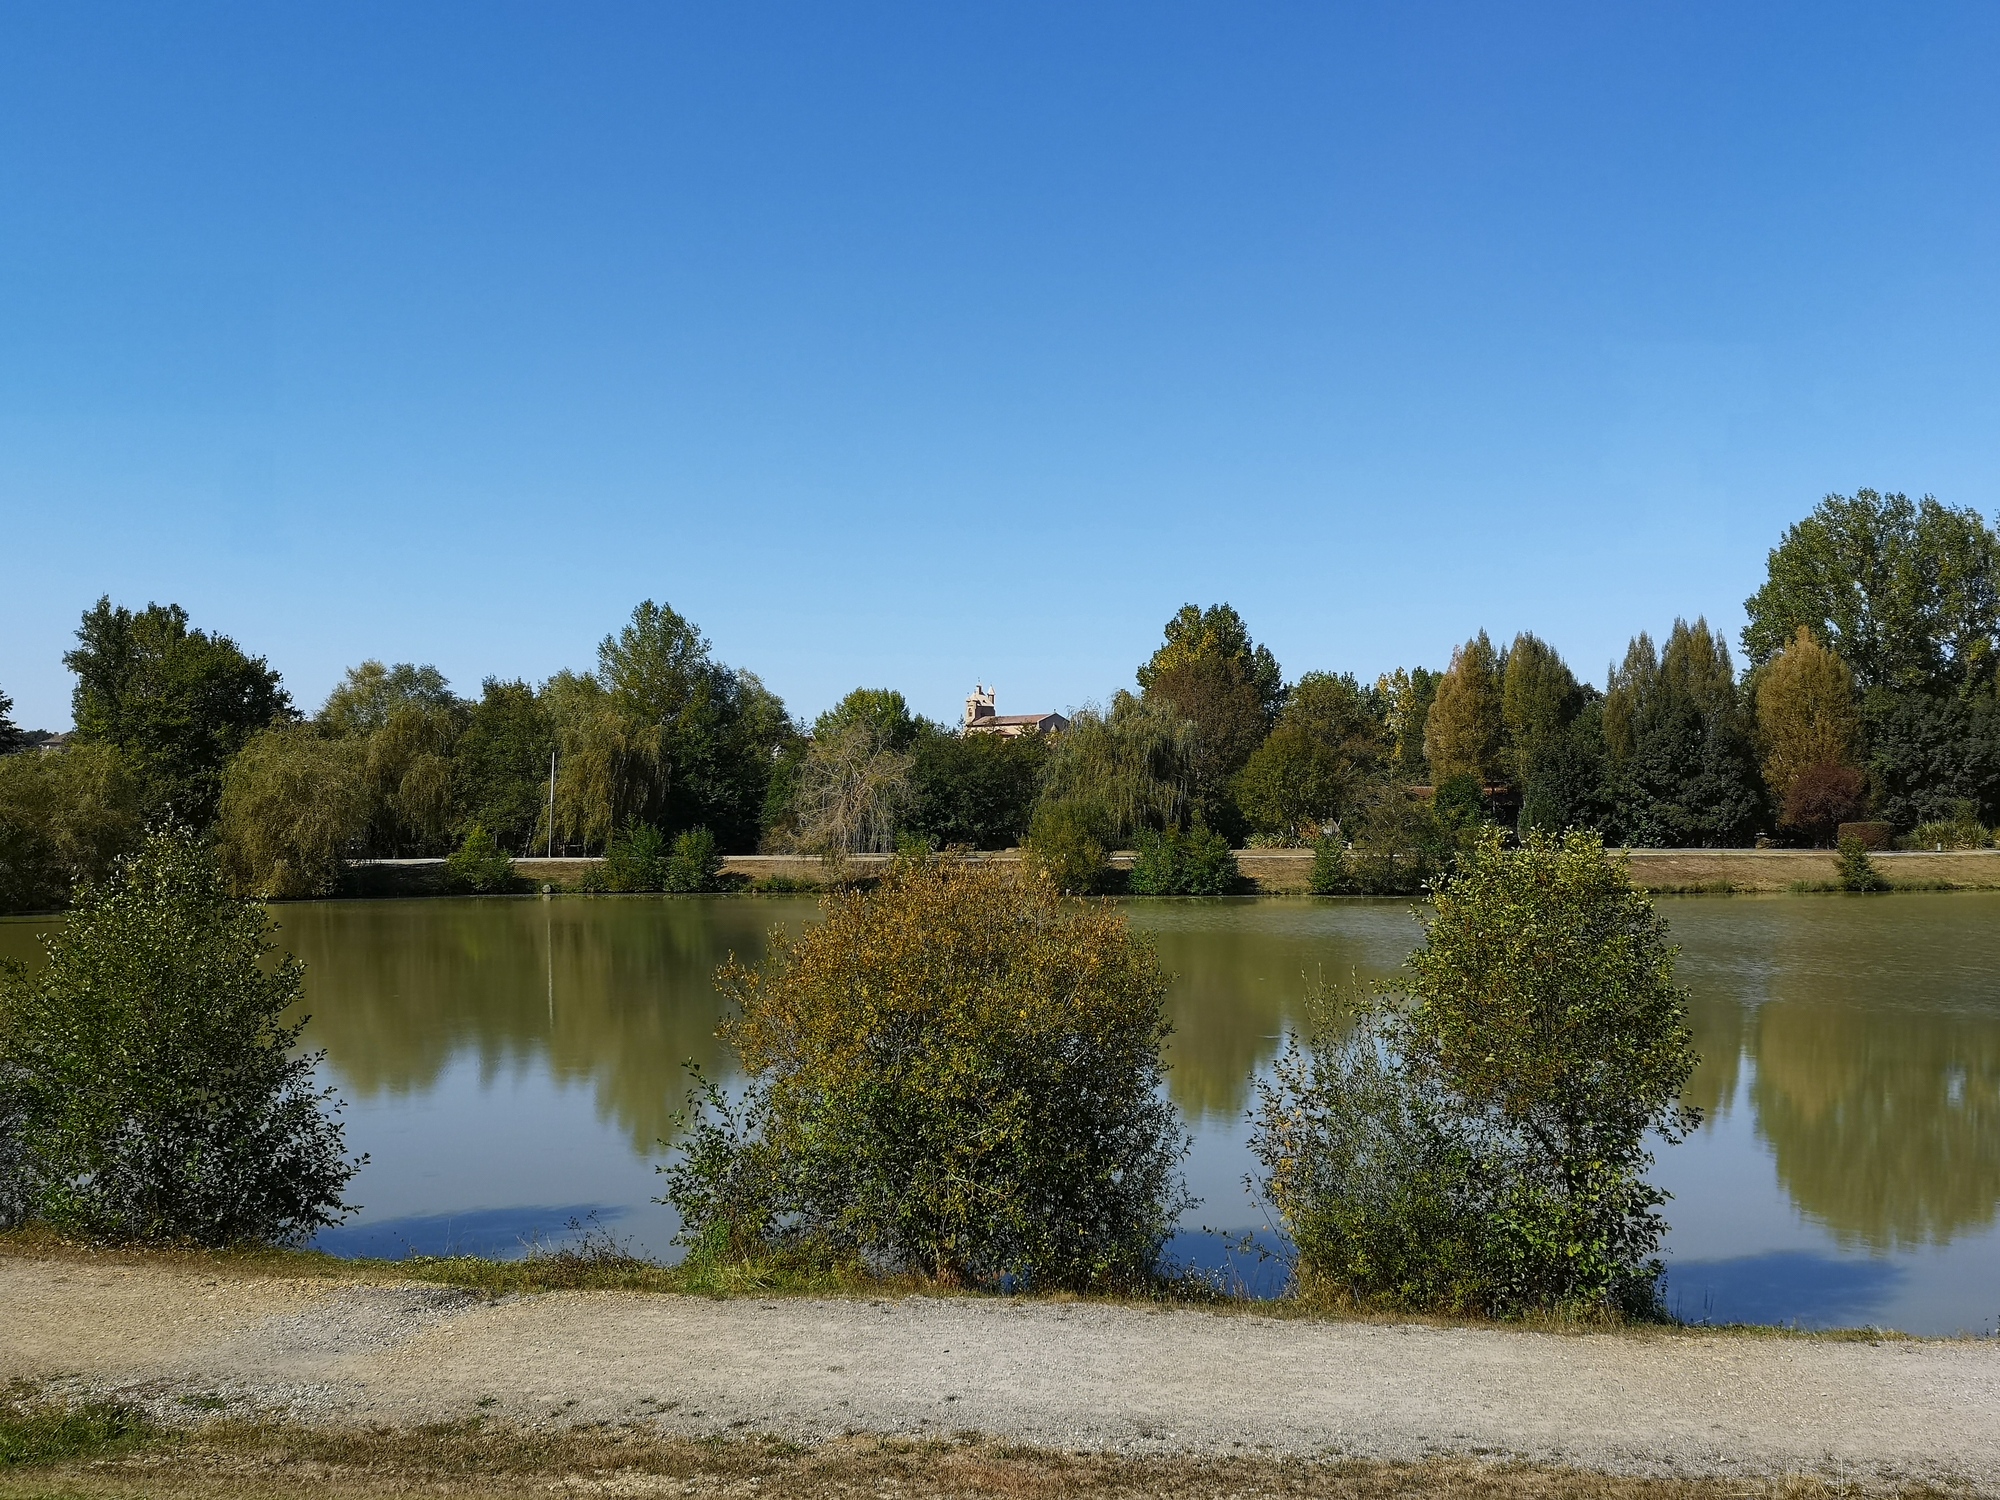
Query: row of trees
point(1868, 687)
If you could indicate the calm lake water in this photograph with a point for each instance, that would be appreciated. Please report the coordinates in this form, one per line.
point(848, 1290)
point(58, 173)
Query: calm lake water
point(510, 1065)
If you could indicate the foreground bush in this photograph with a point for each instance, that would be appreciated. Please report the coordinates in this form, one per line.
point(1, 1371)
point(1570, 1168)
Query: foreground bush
point(957, 1075)
point(157, 1091)
point(1477, 1142)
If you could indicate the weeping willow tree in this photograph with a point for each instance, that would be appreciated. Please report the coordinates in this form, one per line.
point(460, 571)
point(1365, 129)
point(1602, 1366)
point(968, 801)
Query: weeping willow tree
point(610, 767)
point(1132, 768)
point(854, 789)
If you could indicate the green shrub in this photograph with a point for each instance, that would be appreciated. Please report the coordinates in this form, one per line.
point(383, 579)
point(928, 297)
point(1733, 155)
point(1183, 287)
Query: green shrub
point(1198, 862)
point(1068, 844)
point(636, 859)
point(1857, 870)
point(478, 864)
point(1399, 848)
point(161, 1094)
point(956, 1075)
point(693, 864)
point(1477, 1142)
point(1962, 830)
point(1329, 872)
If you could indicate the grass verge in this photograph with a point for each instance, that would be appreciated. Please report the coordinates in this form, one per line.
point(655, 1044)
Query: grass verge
point(241, 1460)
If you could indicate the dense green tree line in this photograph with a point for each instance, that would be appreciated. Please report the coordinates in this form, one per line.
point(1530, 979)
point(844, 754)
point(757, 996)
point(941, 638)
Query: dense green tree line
point(1867, 689)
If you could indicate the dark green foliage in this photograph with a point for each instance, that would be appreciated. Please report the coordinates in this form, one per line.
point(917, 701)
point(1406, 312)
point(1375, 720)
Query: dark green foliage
point(1313, 768)
point(1068, 845)
point(1329, 869)
point(162, 1093)
point(1683, 767)
point(65, 815)
point(503, 764)
point(1217, 634)
point(1459, 803)
point(1930, 750)
point(1399, 846)
point(642, 858)
point(692, 865)
point(708, 731)
point(1907, 594)
point(1481, 1145)
point(178, 702)
point(957, 1075)
point(479, 865)
point(1227, 690)
point(976, 791)
point(1565, 776)
point(1857, 870)
point(1198, 862)
point(881, 710)
point(636, 860)
point(11, 738)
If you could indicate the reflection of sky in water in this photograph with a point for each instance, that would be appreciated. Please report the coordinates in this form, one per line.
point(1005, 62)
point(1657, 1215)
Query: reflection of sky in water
point(510, 1064)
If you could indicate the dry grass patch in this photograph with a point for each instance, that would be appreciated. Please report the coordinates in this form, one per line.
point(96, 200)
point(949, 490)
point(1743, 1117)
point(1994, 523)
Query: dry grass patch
point(238, 1461)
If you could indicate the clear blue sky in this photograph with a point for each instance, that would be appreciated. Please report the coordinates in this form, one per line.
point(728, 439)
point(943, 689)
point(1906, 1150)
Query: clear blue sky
point(911, 345)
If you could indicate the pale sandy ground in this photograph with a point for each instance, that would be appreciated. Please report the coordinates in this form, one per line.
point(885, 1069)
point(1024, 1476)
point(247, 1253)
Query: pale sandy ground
point(1062, 1376)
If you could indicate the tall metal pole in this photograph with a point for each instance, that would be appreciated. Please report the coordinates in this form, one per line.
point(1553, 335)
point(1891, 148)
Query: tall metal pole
point(552, 804)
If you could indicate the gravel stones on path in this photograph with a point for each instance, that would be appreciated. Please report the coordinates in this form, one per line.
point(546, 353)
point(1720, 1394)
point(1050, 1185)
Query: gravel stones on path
point(1056, 1375)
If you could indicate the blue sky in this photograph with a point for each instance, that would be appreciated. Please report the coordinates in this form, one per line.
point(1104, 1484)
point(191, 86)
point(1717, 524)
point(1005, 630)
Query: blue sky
point(908, 345)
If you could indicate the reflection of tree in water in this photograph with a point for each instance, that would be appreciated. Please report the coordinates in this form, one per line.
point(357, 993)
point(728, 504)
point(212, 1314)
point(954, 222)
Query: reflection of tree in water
point(1878, 1068)
point(616, 991)
point(1885, 1124)
point(1241, 972)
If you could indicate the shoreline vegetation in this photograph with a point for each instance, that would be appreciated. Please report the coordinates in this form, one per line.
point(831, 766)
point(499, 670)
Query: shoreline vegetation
point(1866, 713)
point(1262, 872)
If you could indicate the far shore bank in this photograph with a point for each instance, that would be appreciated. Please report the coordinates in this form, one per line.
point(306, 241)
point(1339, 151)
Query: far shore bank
point(1274, 872)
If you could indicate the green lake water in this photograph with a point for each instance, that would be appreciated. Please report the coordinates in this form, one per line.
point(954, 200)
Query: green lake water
point(510, 1065)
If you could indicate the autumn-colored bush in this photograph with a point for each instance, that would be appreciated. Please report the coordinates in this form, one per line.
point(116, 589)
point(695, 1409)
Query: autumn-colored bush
point(956, 1075)
point(1822, 797)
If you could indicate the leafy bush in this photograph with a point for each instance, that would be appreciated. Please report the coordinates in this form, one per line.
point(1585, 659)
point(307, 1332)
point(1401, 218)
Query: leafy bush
point(1399, 848)
point(1962, 830)
point(955, 1075)
point(1482, 1146)
point(1329, 871)
point(161, 1093)
point(636, 859)
point(1857, 870)
point(478, 864)
point(1067, 845)
point(693, 864)
point(1198, 862)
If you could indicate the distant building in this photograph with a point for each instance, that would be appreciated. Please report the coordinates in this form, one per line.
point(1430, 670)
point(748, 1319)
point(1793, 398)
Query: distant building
point(981, 719)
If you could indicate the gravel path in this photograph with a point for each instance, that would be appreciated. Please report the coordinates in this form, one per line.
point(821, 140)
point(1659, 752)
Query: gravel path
point(1054, 1375)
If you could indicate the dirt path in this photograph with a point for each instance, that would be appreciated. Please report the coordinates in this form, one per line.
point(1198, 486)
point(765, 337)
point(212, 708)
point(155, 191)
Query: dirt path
point(1061, 1376)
